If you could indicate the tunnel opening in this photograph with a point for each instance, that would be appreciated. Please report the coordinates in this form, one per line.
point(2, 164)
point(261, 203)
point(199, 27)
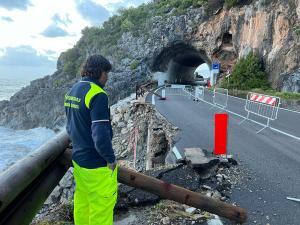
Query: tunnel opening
point(178, 61)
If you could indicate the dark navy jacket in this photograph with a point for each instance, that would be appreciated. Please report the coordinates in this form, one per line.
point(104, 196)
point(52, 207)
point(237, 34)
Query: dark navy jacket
point(89, 127)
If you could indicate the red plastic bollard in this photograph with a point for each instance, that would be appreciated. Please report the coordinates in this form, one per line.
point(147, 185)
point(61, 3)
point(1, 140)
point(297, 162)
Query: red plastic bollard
point(221, 125)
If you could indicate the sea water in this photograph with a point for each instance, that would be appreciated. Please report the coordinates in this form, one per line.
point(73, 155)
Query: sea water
point(16, 144)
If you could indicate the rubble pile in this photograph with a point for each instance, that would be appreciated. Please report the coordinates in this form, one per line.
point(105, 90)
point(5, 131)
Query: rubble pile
point(136, 123)
point(214, 181)
point(127, 116)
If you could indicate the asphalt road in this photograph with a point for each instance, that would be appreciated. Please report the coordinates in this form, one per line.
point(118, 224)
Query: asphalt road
point(270, 161)
point(288, 121)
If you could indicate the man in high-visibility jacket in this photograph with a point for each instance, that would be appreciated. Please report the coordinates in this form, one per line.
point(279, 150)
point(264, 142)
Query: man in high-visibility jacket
point(89, 127)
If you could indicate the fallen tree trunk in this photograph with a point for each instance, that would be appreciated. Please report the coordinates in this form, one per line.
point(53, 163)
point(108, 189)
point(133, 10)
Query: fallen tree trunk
point(181, 195)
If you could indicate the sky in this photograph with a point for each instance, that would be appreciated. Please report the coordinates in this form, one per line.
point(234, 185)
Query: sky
point(203, 70)
point(33, 32)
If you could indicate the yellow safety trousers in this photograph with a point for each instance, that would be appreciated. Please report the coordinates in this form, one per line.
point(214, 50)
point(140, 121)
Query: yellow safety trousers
point(95, 195)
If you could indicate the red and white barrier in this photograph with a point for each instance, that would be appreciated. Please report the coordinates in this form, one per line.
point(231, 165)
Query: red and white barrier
point(263, 99)
point(265, 106)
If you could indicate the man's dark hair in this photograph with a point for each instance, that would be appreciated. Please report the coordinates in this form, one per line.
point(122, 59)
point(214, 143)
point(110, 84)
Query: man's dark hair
point(94, 66)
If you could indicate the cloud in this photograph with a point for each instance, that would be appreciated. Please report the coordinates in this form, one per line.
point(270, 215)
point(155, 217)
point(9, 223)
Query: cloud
point(93, 12)
point(125, 4)
point(15, 4)
point(7, 18)
point(26, 56)
point(138, 2)
point(53, 31)
point(57, 19)
point(50, 52)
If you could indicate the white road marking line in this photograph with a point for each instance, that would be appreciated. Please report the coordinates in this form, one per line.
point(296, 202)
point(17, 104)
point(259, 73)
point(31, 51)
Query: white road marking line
point(272, 128)
point(293, 199)
point(153, 100)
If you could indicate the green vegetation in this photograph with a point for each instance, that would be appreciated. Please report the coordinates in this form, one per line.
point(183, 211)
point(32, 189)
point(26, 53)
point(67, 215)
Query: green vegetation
point(134, 65)
point(231, 3)
point(71, 61)
point(297, 30)
point(247, 74)
point(132, 20)
point(282, 95)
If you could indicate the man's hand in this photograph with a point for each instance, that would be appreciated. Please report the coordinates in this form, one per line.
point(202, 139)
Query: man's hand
point(112, 166)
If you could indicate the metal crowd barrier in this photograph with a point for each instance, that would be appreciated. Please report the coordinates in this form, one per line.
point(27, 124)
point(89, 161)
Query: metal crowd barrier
point(265, 106)
point(199, 93)
point(220, 97)
point(176, 90)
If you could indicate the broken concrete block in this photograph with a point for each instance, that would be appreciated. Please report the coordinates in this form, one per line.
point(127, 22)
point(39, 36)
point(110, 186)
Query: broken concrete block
point(198, 159)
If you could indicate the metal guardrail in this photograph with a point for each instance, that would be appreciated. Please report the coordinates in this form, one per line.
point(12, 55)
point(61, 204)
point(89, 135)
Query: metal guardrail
point(220, 97)
point(25, 186)
point(265, 106)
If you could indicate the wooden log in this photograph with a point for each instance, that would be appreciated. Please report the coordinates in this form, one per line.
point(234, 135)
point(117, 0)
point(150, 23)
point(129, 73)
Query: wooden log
point(181, 195)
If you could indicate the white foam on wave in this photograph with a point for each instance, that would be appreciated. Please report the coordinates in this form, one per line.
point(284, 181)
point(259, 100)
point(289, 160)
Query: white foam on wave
point(16, 144)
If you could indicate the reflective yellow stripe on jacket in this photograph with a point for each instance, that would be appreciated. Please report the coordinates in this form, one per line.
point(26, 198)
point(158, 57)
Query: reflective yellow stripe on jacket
point(95, 89)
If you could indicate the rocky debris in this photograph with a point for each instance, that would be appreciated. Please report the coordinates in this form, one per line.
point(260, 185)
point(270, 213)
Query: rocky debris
point(147, 209)
point(64, 192)
point(217, 185)
point(132, 123)
point(127, 116)
point(180, 175)
point(214, 179)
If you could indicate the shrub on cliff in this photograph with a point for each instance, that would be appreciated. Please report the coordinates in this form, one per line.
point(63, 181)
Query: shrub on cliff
point(71, 61)
point(247, 74)
point(231, 3)
point(133, 20)
point(134, 65)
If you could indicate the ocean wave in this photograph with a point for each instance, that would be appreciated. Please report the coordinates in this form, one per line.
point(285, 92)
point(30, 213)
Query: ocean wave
point(16, 144)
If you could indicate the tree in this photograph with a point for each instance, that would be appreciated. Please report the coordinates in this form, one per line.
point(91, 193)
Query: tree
point(247, 74)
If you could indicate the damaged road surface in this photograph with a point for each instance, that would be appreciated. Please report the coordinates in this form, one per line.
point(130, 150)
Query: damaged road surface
point(269, 162)
point(182, 175)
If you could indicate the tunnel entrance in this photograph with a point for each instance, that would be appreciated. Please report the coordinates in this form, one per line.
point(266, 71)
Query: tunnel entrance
point(179, 61)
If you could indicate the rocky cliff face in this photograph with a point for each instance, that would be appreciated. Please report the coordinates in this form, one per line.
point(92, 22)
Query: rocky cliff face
point(268, 28)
